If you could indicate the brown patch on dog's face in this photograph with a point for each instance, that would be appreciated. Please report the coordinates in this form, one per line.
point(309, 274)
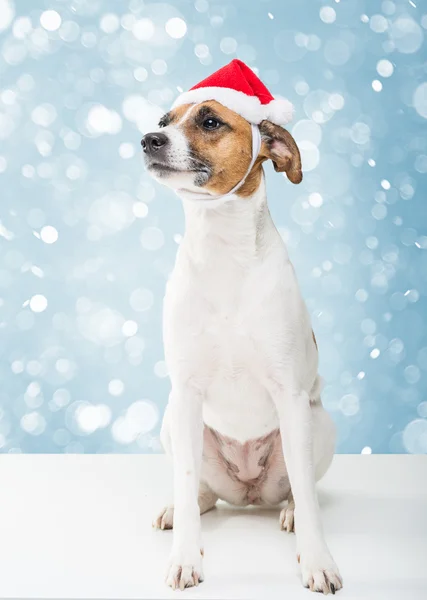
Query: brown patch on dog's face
point(221, 139)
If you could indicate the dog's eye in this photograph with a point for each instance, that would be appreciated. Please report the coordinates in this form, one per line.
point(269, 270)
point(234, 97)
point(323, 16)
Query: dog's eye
point(211, 123)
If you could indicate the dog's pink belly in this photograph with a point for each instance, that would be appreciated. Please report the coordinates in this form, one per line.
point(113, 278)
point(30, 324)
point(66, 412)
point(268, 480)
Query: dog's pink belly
point(249, 473)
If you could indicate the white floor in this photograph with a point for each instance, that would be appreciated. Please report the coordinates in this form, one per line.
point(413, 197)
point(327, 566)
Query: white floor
point(80, 527)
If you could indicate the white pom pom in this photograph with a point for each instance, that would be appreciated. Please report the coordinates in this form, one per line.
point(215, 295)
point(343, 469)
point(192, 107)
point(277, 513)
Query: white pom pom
point(279, 111)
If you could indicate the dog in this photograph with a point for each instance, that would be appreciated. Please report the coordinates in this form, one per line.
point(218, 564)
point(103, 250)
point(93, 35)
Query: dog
point(244, 422)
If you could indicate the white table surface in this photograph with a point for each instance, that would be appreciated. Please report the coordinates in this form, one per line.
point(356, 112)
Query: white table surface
point(80, 527)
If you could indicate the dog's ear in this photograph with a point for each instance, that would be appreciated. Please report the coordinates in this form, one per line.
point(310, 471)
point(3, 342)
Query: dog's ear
point(279, 146)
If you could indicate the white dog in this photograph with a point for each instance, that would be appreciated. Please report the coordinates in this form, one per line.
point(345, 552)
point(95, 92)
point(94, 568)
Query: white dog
point(244, 422)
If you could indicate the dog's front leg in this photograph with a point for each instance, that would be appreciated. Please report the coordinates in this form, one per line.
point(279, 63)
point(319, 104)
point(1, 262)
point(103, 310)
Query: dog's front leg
point(186, 433)
point(319, 571)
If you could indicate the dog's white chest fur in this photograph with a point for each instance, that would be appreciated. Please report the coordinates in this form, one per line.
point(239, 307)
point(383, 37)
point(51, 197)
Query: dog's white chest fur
point(225, 304)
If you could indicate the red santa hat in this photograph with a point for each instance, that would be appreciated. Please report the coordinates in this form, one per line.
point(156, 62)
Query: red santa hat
point(238, 88)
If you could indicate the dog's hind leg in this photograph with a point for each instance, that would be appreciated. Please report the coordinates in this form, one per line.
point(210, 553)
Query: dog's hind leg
point(323, 440)
point(207, 500)
point(165, 438)
point(286, 518)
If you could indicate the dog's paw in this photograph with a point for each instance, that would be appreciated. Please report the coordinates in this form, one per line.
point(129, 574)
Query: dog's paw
point(185, 573)
point(319, 572)
point(164, 519)
point(286, 519)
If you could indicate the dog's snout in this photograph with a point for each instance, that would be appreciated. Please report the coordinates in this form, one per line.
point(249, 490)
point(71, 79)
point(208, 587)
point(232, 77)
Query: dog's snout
point(152, 142)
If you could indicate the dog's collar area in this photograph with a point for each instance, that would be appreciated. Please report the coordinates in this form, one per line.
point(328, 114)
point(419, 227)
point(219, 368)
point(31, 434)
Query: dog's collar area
point(215, 200)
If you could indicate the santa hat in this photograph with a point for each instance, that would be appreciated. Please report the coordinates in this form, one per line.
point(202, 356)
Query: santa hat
point(238, 88)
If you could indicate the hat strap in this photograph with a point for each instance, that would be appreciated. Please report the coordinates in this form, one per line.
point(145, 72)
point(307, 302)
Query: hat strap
point(215, 200)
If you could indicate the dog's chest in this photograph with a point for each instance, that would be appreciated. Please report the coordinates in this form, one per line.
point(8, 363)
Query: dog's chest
point(237, 401)
point(214, 322)
point(218, 344)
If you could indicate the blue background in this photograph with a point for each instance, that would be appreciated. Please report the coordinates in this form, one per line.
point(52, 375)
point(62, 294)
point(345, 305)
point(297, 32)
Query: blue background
point(88, 239)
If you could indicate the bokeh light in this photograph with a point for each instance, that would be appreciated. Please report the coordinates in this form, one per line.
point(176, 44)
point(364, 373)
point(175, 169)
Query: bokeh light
point(88, 239)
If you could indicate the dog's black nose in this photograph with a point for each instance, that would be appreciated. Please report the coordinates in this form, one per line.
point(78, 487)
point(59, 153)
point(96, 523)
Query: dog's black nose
point(151, 142)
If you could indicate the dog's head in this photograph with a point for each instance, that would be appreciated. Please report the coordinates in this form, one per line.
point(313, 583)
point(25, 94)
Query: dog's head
point(207, 147)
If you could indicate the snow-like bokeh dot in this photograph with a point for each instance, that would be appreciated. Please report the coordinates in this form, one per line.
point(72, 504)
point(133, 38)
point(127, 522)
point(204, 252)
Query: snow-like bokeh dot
point(307, 130)
point(109, 23)
point(140, 210)
point(336, 101)
point(17, 367)
point(412, 374)
point(33, 423)
point(21, 27)
point(116, 387)
point(123, 431)
point(349, 405)
point(69, 31)
point(101, 120)
point(152, 238)
point(44, 114)
point(378, 23)
point(159, 66)
point(337, 52)
point(160, 369)
point(327, 14)
point(84, 418)
point(310, 155)
point(61, 437)
point(141, 299)
point(228, 45)
point(93, 417)
point(50, 20)
point(38, 303)
point(385, 68)
point(415, 437)
point(315, 200)
point(176, 28)
point(49, 234)
point(143, 414)
point(130, 328)
point(406, 34)
point(140, 418)
point(143, 29)
point(61, 398)
point(302, 88)
point(101, 325)
point(7, 12)
point(142, 112)
point(420, 100)
point(140, 74)
point(126, 150)
point(379, 211)
point(111, 213)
